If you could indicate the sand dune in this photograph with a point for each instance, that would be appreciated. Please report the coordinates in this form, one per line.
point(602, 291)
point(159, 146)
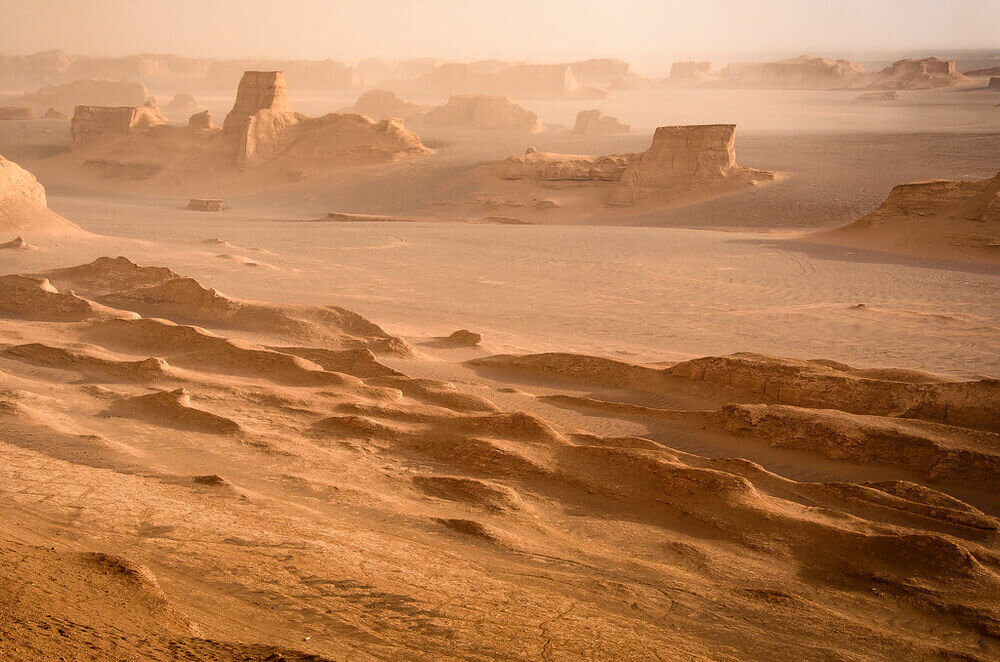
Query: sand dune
point(937, 219)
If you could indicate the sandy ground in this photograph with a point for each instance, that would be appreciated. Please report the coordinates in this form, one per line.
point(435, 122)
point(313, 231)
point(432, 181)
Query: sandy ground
point(237, 472)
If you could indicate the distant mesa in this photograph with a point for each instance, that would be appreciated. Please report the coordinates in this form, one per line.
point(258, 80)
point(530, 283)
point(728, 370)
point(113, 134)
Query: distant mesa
point(594, 123)
point(66, 96)
point(483, 112)
point(803, 72)
point(16, 113)
point(938, 219)
point(205, 204)
point(913, 74)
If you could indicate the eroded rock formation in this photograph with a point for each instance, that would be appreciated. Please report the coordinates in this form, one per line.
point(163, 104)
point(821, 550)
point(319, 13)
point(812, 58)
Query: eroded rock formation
point(182, 105)
point(685, 156)
point(551, 167)
point(914, 74)
point(259, 129)
point(593, 123)
point(97, 122)
point(687, 72)
point(803, 72)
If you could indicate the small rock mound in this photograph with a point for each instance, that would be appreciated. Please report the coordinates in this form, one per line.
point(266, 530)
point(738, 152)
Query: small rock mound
point(465, 338)
point(485, 494)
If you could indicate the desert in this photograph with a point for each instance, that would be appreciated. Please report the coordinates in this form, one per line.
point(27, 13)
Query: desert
point(426, 333)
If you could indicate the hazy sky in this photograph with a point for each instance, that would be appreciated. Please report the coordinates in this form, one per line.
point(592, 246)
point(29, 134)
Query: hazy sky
point(540, 30)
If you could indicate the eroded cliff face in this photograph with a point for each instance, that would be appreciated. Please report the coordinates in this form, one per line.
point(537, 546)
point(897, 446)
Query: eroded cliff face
point(551, 167)
point(685, 158)
point(258, 90)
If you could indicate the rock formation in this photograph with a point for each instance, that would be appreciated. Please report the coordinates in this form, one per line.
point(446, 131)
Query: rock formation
point(23, 205)
point(682, 157)
point(681, 160)
point(382, 104)
point(911, 74)
point(690, 72)
point(593, 123)
point(551, 167)
point(941, 218)
point(994, 83)
point(260, 128)
point(101, 122)
point(483, 112)
point(602, 72)
point(257, 91)
point(67, 96)
point(984, 73)
point(202, 122)
point(16, 113)
point(182, 105)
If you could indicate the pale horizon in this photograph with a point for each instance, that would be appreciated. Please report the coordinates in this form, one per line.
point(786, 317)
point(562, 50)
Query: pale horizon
point(649, 34)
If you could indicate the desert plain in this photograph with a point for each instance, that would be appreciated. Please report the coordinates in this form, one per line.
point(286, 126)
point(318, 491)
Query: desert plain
point(453, 372)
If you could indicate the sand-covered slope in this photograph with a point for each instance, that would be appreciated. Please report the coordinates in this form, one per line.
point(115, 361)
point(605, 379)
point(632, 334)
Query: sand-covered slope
point(168, 491)
point(937, 219)
point(23, 207)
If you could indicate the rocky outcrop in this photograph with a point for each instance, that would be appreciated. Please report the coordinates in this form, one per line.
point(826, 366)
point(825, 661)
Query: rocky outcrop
point(690, 72)
point(202, 122)
point(483, 112)
point(913, 74)
point(16, 113)
point(67, 96)
point(551, 167)
point(92, 123)
point(382, 104)
point(593, 123)
point(994, 83)
point(682, 157)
